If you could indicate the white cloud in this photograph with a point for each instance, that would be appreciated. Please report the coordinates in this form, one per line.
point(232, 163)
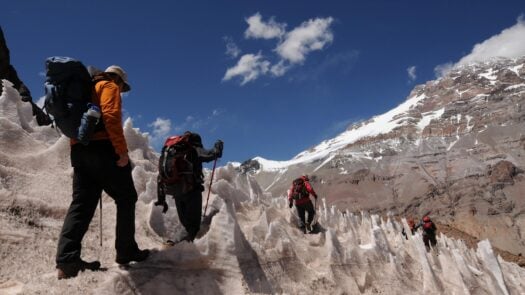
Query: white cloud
point(443, 69)
point(311, 35)
point(509, 43)
point(216, 112)
point(232, 50)
point(279, 69)
point(160, 129)
point(291, 50)
point(411, 73)
point(257, 28)
point(249, 67)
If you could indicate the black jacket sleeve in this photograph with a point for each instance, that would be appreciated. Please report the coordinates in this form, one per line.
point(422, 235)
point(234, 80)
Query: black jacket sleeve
point(205, 155)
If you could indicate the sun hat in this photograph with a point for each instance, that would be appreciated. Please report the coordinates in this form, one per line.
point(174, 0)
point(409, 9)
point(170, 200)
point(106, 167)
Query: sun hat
point(122, 74)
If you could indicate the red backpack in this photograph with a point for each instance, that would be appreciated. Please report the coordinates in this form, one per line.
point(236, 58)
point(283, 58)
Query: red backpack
point(427, 226)
point(176, 165)
point(299, 190)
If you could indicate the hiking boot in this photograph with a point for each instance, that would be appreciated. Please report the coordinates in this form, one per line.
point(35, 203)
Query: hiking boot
point(169, 243)
point(137, 256)
point(308, 227)
point(71, 269)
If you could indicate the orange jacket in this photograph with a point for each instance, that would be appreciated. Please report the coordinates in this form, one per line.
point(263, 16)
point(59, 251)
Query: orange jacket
point(107, 96)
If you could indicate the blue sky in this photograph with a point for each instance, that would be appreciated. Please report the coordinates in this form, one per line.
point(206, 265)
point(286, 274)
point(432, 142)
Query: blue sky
point(271, 78)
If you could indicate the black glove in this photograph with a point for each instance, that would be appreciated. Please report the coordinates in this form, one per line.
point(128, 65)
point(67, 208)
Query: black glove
point(24, 92)
point(161, 196)
point(219, 145)
point(42, 118)
point(290, 204)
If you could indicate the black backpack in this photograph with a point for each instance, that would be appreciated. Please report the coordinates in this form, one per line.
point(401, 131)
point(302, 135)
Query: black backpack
point(68, 90)
point(299, 190)
point(176, 165)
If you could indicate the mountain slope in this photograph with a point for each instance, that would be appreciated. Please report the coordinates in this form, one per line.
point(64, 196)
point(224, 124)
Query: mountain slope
point(453, 148)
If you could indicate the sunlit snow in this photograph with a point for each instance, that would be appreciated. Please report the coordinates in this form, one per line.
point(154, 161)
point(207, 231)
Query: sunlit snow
point(378, 125)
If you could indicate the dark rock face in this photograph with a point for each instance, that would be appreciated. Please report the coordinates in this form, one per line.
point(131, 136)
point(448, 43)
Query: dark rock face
point(502, 172)
point(457, 153)
point(8, 72)
point(249, 166)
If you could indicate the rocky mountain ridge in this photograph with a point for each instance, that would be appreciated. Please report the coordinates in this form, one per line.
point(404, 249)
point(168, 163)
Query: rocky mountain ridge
point(454, 148)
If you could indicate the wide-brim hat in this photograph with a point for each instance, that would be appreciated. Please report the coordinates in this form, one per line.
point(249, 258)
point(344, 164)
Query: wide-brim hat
point(122, 74)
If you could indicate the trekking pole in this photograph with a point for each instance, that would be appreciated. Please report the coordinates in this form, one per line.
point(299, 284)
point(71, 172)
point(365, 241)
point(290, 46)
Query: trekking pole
point(209, 188)
point(100, 224)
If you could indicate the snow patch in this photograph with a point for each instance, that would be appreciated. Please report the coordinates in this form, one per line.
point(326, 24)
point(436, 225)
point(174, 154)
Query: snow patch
point(515, 86)
point(489, 74)
point(516, 69)
point(429, 116)
point(378, 125)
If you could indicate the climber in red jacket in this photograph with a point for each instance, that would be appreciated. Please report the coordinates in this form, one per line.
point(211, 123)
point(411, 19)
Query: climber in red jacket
point(300, 192)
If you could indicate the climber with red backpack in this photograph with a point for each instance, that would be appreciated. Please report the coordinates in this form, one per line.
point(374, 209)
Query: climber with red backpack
point(180, 175)
point(300, 193)
point(429, 231)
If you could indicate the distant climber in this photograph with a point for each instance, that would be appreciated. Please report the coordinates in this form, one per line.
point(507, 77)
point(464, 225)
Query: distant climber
point(429, 232)
point(300, 193)
point(180, 175)
point(412, 225)
point(8, 72)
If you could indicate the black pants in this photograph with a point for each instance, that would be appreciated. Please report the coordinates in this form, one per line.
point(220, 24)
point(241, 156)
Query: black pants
point(189, 208)
point(429, 239)
point(302, 209)
point(95, 170)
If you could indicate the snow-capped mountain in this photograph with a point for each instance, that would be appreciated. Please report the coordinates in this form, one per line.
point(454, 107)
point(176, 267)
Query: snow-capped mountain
point(454, 147)
point(249, 243)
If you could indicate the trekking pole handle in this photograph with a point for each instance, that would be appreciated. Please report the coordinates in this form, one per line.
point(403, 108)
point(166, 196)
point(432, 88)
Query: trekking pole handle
point(209, 188)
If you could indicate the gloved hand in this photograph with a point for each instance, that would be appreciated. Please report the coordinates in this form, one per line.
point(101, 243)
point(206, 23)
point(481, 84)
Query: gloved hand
point(42, 118)
point(290, 204)
point(164, 204)
point(219, 145)
point(26, 98)
point(161, 196)
point(24, 92)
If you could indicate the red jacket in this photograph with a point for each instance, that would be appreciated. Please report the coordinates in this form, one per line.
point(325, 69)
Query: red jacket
point(304, 199)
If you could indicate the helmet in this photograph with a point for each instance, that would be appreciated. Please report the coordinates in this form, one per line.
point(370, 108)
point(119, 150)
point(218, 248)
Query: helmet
point(426, 219)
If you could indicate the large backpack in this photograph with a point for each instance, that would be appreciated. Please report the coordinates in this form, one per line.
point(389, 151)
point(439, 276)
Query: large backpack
point(299, 190)
point(176, 165)
point(68, 90)
point(428, 227)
